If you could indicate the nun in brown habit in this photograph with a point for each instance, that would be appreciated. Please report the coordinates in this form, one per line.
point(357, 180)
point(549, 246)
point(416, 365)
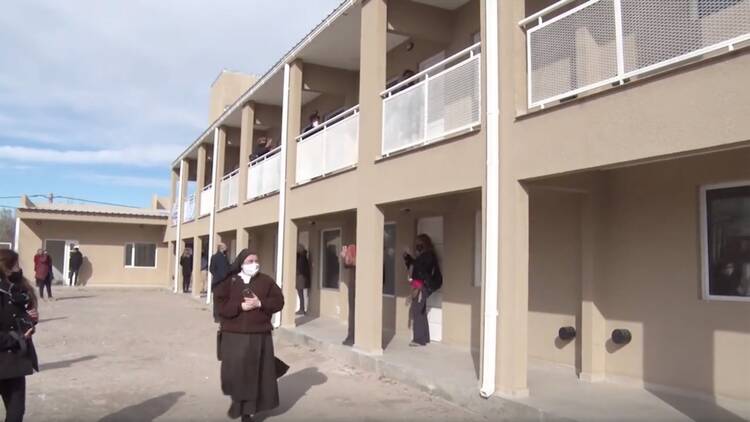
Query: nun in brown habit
point(246, 300)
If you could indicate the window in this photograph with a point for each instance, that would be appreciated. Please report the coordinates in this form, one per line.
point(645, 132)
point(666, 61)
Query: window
point(389, 259)
point(725, 241)
point(329, 256)
point(140, 255)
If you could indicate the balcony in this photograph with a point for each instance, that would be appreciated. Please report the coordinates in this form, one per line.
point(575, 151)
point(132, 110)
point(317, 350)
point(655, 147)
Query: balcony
point(263, 175)
point(174, 214)
point(442, 101)
point(329, 147)
point(207, 200)
point(188, 210)
point(228, 193)
point(603, 42)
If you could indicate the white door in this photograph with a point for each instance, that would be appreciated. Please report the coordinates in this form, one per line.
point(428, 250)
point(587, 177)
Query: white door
point(59, 251)
point(433, 227)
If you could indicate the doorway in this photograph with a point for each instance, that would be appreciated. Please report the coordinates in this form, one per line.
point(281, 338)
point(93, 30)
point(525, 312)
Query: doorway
point(59, 250)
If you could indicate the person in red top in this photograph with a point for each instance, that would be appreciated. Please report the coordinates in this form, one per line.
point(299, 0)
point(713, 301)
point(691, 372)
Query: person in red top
point(43, 272)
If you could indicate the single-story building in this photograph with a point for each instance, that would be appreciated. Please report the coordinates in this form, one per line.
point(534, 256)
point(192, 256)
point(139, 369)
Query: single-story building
point(121, 246)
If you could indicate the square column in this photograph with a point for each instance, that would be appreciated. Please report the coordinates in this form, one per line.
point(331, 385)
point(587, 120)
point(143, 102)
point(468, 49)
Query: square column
point(286, 260)
point(243, 240)
point(246, 144)
point(179, 244)
point(221, 147)
point(197, 282)
point(175, 174)
point(368, 300)
point(200, 181)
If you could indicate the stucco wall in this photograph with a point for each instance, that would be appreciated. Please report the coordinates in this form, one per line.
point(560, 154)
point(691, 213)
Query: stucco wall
point(103, 246)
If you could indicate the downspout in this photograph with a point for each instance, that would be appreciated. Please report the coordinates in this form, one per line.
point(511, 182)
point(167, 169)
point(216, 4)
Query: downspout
point(212, 218)
point(17, 234)
point(178, 235)
point(489, 346)
point(282, 189)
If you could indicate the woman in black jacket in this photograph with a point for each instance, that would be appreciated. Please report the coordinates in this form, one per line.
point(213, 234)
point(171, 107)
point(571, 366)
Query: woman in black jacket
point(17, 317)
point(425, 273)
point(303, 277)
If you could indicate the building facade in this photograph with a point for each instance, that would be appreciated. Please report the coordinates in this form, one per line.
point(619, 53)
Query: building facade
point(578, 165)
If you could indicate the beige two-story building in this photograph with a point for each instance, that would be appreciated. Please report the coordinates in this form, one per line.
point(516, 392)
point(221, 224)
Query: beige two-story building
point(579, 165)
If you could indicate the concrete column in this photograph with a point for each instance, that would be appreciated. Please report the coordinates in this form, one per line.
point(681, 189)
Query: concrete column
point(175, 173)
point(197, 252)
point(243, 240)
point(513, 288)
point(221, 149)
point(286, 257)
point(593, 324)
point(368, 329)
point(246, 146)
point(181, 195)
point(200, 182)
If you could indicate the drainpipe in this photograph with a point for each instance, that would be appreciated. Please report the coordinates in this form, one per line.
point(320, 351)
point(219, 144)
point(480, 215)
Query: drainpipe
point(212, 218)
point(282, 189)
point(489, 346)
point(18, 234)
point(178, 235)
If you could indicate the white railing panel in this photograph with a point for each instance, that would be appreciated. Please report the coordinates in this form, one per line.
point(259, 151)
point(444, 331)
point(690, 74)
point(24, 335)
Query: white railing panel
point(174, 214)
point(404, 118)
point(341, 144)
point(271, 171)
point(310, 156)
point(207, 200)
point(453, 99)
point(229, 190)
point(573, 52)
point(188, 211)
point(605, 41)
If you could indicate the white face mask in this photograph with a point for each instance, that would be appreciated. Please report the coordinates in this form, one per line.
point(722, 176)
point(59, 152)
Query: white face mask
point(251, 269)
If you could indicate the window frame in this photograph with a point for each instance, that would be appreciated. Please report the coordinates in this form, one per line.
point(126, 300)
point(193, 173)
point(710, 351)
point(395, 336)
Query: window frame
point(703, 227)
point(132, 255)
point(322, 258)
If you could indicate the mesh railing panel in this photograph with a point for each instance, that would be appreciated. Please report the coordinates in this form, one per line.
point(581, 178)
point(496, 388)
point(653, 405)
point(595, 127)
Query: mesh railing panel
point(264, 177)
point(403, 118)
point(188, 211)
point(453, 99)
point(207, 201)
point(573, 52)
point(310, 156)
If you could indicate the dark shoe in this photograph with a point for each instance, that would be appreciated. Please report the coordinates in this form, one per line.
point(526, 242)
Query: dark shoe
point(247, 418)
point(348, 342)
point(301, 313)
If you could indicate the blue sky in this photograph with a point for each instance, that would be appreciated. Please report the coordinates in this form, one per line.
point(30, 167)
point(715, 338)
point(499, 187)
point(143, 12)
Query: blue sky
point(98, 97)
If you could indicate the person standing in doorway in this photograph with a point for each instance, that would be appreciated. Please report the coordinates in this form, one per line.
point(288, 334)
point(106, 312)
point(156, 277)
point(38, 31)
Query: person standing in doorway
point(249, 369)
point(186, 262)
point(17, 318)
point(303, 277)
point(43, 272)
point(76, 260)
point(219, 269)
point(425, 279)
point(204, 272)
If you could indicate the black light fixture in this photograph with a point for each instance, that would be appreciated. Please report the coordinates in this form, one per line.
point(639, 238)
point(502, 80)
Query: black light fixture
point(567, 333)
point(410, 46)
point(621, 336)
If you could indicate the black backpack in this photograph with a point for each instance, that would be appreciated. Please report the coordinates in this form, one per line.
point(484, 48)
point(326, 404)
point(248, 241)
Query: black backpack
point(436, 280)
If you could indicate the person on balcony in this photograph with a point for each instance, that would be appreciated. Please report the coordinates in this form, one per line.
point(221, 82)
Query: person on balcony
point(262, 147)
point(247, 301)
point(303, 277)
point(186, 263)
point(425, 279)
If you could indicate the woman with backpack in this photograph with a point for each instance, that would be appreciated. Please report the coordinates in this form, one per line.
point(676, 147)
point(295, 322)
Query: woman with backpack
point(425, 279)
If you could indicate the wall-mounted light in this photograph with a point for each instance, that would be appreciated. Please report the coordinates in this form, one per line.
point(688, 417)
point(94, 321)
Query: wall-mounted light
point(410, 46)
point(405, 210)
point(567, 333)
point(621, 336)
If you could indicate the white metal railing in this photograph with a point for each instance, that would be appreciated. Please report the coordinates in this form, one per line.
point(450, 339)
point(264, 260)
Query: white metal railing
point(188, 210)
point(264, 174)
point(173, 214)
point(228, 192)
point(603, 42)
point(331, 146)
point(207, 200)
point(440, 101)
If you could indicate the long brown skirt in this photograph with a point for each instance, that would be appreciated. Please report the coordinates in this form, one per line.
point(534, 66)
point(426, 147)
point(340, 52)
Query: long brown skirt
point(248, 373)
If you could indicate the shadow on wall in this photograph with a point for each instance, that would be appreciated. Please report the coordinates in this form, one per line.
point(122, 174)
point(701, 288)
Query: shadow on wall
point(293, 387)
point(146, 411)
point(84, 274)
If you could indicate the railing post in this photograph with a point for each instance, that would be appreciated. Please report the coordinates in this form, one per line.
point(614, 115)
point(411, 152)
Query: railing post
point(426, 105)
point(619, 40)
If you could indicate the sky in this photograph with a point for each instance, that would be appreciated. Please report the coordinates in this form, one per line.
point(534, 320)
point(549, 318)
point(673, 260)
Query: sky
point(97, 98)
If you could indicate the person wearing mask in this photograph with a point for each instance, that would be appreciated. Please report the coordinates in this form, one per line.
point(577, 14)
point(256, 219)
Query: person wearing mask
point(726, 281)
point(186, 263)
point(303, 277)
point(262, 147)
point(43, 272)
point(75, 262)
point(425, 279)
point(17, 318)
point(249, 370)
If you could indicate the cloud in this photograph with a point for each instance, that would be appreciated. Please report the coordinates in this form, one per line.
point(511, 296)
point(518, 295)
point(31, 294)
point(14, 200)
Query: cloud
point(141, 156)
point(124, 181)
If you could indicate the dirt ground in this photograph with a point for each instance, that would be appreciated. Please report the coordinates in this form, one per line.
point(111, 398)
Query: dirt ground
point(145, 355)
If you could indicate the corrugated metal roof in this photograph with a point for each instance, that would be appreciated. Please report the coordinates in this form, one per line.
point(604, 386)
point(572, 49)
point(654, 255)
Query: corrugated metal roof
point(98, 209)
